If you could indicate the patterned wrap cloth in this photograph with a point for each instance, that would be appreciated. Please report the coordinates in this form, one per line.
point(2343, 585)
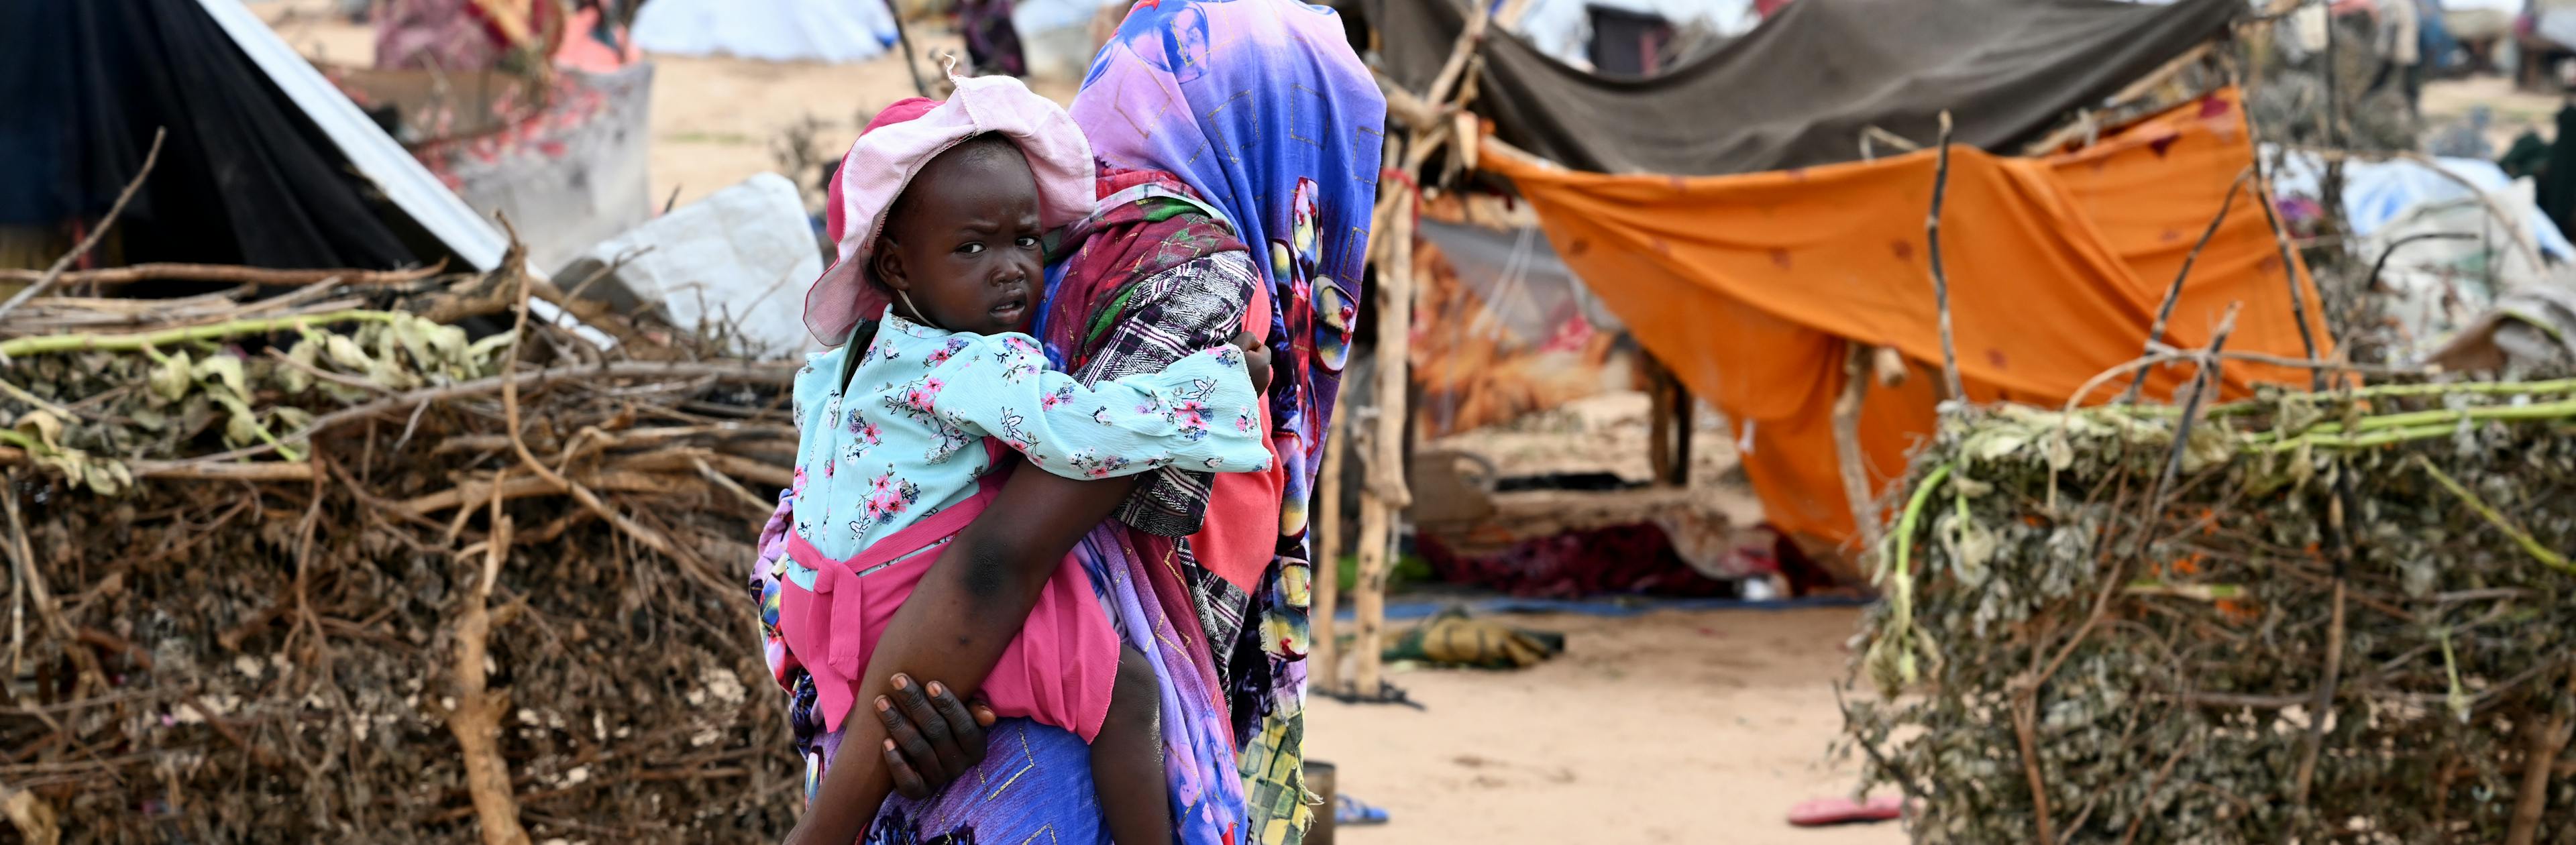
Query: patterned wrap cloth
point(1261, 109)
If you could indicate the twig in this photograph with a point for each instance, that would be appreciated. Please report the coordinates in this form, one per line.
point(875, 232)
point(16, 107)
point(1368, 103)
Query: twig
point(2204, 382)
point(2323, 705)
point(754, 373)
point(651, 538)
point(476, 721)
point(465, 495)
point(2381, 265)
point(2026, 732)
point(2288, 257)
point(903, 36)
point(113, 276)
point(730, 486)
point(46, 607)
point(1468, 43)
point(137, 341)
point(2520, 537)
point(1848, 457)
point(1941, 280)
point(54, 273)
point(2173, 293)
point(2533, 798)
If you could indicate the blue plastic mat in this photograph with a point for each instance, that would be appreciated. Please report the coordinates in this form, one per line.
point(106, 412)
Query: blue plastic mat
point(1605, 606)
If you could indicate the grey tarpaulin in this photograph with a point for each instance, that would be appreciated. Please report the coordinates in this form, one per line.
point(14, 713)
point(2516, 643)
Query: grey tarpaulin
point(1798, 90)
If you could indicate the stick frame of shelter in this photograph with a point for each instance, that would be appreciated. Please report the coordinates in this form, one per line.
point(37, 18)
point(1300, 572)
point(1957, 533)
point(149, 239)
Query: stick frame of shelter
point(2173, 293)
point(1857, 359)
point(1323, 650)
point(903, 35)
point(1940, 279)
point(90, 241)
point(1378, 509)
point(1384, 497)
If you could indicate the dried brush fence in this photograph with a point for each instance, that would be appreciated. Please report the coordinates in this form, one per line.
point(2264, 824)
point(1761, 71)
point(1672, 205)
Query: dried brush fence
point(323, 566)
point(2335, 617)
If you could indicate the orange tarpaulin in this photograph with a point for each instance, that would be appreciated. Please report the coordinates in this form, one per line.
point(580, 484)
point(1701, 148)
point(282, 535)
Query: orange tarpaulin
point(1749, 286)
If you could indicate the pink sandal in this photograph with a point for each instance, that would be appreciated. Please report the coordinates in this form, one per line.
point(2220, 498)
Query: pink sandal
point(1833, 811)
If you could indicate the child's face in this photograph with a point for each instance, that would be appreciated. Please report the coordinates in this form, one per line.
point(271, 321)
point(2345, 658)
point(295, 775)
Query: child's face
point(963, 246)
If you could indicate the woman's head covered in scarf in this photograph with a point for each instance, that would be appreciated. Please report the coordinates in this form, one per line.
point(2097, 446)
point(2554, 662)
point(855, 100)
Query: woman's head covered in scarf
point(1264, 110)
point(898, 143)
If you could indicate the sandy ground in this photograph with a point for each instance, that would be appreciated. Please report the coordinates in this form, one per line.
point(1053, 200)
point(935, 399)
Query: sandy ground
point(2448, 101)
point(1669, 727)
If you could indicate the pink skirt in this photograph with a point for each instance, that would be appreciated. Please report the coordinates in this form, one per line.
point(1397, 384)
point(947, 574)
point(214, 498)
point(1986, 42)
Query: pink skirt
point(1059, 670)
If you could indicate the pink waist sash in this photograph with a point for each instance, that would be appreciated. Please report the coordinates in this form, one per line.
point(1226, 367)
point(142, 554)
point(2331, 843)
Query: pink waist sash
point(828, 628)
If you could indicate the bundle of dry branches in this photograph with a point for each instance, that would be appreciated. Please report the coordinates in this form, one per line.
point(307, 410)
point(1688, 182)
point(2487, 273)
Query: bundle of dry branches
point(323, 565)
point(2304, 617)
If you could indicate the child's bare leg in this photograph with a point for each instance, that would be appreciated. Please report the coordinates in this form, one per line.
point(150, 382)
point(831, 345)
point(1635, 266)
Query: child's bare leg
point(1127, 757)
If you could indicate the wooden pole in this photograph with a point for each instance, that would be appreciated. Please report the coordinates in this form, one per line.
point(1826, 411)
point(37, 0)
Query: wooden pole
point(1847, 453)
point(1941, 280)
point(1685, 408)
point(911, 67)
point(1323, 658)
point(1659, 420)
point(1384, 496)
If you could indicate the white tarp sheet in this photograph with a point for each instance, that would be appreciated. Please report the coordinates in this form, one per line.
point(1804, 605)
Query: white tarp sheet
point(834, 31)
point(735, 264)
point(2433, 287)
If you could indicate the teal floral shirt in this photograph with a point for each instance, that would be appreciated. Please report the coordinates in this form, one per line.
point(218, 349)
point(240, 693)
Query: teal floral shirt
point(902, 441)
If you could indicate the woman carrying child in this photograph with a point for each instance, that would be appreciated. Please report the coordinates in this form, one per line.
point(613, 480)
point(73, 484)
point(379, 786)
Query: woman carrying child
point(1218, 124)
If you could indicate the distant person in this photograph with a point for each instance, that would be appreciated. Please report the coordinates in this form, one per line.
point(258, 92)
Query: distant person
point(2399, 43)
point(2466, 138)
point(2558, 175)
point(992, 42)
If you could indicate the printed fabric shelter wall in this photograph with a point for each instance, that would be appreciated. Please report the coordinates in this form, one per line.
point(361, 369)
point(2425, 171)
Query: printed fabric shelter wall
point(1749, 286)
point(1503, 329)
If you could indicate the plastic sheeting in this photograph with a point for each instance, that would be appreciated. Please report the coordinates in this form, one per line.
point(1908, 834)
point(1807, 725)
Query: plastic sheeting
point(1507, 330)
point(834, 31)
point(2378, 193)
point(1748, 286)
point(1798, 90)
point(734, 264)
point(2430, 288)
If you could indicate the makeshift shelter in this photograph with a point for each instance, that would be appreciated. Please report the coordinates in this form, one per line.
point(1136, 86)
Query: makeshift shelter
point(1753, 289)
point(1750, 287)
point(245, 175)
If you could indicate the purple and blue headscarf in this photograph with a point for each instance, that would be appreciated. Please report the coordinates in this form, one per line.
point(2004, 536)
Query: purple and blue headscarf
point(1283, 135)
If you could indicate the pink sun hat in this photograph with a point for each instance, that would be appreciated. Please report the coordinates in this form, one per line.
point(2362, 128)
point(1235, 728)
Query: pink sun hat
point(907, 135)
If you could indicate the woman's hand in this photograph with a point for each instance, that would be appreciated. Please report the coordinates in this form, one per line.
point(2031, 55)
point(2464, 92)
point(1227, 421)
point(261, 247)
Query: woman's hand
point(934, 738)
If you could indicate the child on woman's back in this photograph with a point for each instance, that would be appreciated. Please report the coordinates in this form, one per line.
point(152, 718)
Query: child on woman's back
point(901, 426)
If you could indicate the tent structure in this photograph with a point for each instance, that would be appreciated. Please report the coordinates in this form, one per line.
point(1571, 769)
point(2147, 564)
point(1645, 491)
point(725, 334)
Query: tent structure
point(834, 31)
point(245, 175)
point(267, 163)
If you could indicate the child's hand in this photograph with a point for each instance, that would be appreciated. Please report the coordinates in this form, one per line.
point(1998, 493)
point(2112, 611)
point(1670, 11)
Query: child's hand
point(1256, 361)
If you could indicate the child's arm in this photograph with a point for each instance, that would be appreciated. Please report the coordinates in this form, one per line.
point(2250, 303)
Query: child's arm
point(1197, 414)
